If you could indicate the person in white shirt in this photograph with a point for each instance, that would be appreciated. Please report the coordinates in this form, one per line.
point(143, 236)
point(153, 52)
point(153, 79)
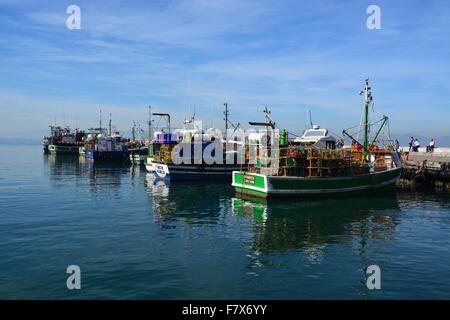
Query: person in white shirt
point(416, 145)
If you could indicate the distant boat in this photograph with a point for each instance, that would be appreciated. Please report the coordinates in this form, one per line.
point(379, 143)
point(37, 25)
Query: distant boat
point(138, 148)
point(63, 141)
point(138, 155)
point(106, 148)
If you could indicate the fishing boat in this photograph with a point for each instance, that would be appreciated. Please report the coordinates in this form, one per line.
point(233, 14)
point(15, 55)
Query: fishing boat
point(168, 171)
point(105, 145)
point(63, 141)
point(137, 147)
point(287, 169)
point(162, 143)
point(158, 138)
point(203, 154)
point(106, 148)
point(138, 150)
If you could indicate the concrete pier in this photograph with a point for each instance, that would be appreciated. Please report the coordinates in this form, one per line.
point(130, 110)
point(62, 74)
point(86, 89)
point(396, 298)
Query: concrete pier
point(423, 168)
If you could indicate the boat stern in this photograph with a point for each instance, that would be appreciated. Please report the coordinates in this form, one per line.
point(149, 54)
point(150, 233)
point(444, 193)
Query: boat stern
point(161, 171)
point(251, 184)
point(149, 164)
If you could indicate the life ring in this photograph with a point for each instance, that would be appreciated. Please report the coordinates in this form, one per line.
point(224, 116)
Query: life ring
point(371, 158)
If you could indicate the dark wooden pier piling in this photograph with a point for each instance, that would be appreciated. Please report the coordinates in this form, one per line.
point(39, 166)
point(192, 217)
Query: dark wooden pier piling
point(426, 169)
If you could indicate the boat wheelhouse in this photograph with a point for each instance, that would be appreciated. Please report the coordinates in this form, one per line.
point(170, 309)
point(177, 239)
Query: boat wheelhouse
point(316, 137)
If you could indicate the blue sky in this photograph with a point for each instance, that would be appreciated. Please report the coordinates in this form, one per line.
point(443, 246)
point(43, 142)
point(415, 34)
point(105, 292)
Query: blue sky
point(290, 56)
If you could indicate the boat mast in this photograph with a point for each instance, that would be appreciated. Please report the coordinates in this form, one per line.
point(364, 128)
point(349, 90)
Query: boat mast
point(367, 99)
point(266, 116)
point(149, 124)
point(268, 121)
point(310, 119)
point(110, 120)
point(226, 120)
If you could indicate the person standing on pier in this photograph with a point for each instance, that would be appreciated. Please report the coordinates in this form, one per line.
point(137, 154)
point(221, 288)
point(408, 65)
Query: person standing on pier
point(416, 145)
point(430, 147)
point(411, 141)
point(397, 145)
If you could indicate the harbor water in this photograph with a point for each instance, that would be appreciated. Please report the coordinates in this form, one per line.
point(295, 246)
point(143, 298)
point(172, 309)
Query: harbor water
point(136, 238)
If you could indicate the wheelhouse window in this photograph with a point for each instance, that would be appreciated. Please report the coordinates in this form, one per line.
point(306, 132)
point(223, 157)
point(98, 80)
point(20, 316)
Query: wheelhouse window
point(314, 133)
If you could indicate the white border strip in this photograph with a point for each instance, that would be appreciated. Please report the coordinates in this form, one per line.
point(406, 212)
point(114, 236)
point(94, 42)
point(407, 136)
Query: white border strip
point(312, 191)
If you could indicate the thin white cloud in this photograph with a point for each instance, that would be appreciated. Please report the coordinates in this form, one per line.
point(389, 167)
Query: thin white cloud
point(291, 56)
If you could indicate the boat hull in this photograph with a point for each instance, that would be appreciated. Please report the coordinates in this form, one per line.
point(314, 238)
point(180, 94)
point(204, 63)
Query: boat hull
point(107, 156)
point(137, 159)
point(263, 186)
point(63, 149)
point(149, 164)
point(193, 172)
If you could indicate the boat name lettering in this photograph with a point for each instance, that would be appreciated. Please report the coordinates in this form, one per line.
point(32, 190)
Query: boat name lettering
point(160, 169)
point(249, 179)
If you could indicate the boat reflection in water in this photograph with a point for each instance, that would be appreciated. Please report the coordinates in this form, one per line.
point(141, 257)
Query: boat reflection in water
point(304, 224)
point(249, 209)
point(277, 225)
point(193, 202)
point(61, 165)
point(157, 188)
point(337, 236)
point(72, 170)
point(266, 241)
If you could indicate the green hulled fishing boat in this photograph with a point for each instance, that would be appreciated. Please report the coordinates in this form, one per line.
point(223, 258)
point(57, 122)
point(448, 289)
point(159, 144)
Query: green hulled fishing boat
point(294, 169)
point(64, 148)
point(265, 185)
point(63, 141)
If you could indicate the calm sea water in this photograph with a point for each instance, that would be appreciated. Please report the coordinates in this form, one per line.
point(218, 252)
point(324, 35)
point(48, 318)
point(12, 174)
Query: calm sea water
point(135, 238)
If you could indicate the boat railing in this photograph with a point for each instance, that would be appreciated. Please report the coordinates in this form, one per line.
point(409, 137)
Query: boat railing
point(314, 162)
